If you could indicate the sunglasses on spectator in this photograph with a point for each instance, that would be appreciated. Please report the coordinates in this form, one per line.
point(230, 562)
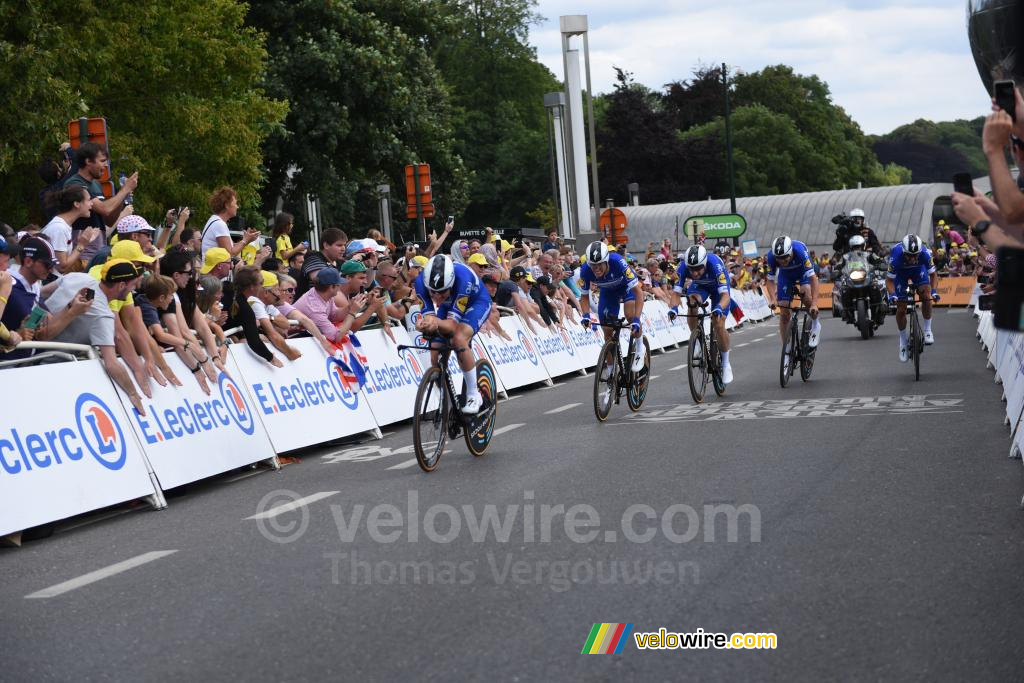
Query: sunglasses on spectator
point(290, 290)
point(183, 272)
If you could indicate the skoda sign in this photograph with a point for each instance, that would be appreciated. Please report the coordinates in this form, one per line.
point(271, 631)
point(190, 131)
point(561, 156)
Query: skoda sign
point(714, 227)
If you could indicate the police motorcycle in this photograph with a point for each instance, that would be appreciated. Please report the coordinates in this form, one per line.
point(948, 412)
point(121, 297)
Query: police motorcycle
point(859, 293)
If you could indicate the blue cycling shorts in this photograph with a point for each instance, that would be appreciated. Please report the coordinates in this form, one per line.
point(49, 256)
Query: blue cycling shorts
point(608, 305)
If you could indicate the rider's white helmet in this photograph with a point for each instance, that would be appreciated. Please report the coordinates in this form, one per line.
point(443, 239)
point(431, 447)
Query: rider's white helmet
point(857, 213)
point(696, 256)
point(782, 246)
point(911, 244)
point(857, 242)
point(439, 273)
point(597, 252)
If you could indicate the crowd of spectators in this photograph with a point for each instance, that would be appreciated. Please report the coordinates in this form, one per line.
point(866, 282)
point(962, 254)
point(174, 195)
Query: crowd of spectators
point(98, 274)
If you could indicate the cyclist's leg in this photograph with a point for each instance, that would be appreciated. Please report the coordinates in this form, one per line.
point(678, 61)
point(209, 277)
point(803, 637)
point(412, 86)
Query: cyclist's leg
point(608, 310)
point(694, 298)
point(784, 298)
point(811, 305)
point(901, 315)
point(632, 308)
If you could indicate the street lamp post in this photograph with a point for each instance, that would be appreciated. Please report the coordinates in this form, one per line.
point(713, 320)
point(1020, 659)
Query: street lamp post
point(728, 146)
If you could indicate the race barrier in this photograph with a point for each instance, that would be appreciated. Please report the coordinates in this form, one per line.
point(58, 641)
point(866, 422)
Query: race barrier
point(91, 449)
point(953, 291)
point(65, 452)
point(188, 435)
point(1006, 356)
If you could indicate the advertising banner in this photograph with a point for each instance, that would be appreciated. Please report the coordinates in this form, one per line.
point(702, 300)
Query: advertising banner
point(65, 451)
point(308, 401)
point(517, 363)
point(188, 435)
point(392, 377)
point(556, 348)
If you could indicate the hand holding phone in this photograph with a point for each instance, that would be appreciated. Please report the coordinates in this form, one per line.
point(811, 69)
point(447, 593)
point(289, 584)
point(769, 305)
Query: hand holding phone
point(963, 183)
point(34, 318)
point(1006, 97)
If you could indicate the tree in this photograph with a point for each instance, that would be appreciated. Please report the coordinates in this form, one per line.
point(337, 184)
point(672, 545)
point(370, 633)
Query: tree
point(183, 107)
point(935, 151)
point(366, 99)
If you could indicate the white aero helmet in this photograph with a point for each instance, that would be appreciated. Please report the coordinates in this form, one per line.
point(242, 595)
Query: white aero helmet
point(597, 252)
point(696, 256)
point(857, 213)
point(857, 242)
point(912, 244)
point(439, 273)
point(782, 246)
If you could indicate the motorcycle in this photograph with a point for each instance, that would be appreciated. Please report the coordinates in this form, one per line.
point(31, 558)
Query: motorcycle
point(859, 296)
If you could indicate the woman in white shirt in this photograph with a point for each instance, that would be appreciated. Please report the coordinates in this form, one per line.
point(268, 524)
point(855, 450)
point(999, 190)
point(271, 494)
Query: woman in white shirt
point(224, 204)
point(72, 203)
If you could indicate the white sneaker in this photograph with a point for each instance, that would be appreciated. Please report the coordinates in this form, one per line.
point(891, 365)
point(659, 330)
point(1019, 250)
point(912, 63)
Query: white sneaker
point(812, 340)
point(929, 338)
point(638, 362)
point(473, 405)
point(904, 355)
point(726, 374)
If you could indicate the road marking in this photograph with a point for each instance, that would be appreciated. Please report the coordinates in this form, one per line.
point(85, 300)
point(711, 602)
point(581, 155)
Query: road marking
point(512, 398)
point(567, 406)
point(678, 367)
point(294, 505)
point(654, 377)
point(507, 428)
point(99, 574)
point(556, 384)
point(740, 346)
point(403, 465)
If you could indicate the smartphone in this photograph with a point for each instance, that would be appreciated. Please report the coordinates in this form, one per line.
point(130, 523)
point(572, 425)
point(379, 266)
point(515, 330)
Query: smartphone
point(35, 317)
point(984, 279)
point(88, 293)
point(1008, 304)
point(306, 244)
point(1006, 97)
point(451, 219)
point(986, 301)
point(963, 183)
point(362, 289)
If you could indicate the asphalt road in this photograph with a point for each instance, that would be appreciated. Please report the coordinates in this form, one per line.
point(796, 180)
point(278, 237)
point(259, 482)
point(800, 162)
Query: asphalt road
point(878, 537)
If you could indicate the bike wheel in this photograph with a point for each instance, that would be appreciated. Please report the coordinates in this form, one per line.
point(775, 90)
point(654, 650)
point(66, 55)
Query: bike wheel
point(916, 341)
point(605, 389)
point(863, 323)
point(481, 427)
point(697, 367)
point(430, 421)
point(807, 353)
point(788, 357)
point(715, 365)
point(637, 392)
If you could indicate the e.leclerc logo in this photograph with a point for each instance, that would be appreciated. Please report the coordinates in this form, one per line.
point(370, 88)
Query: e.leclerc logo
point(569, 346)
point(97, 430)
point(348, 398)
point(530, 355)
point(394, 373)
point(237, 406)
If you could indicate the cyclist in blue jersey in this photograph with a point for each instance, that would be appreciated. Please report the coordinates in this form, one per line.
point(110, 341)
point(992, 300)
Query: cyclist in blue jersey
point(910, 261)
point(618, 284)
point(789, 266)
point(455, 305)
point(709, 280)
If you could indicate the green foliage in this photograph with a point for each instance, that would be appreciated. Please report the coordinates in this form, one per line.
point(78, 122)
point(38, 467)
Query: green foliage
point(935, 151)
point(174, 79)
point(366, 99)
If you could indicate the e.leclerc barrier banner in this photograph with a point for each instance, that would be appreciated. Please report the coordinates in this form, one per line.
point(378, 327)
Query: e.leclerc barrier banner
point(188, 435)
point(66, 446)
point(308, 401)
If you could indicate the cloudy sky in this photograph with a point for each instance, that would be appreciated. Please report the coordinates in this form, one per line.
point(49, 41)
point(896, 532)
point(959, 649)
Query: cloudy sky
point(887, 62)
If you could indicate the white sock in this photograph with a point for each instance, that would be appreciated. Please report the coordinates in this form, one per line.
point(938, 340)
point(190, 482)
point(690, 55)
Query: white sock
point(927, 324)
point(816, 325)
point(725, 357)
point(904, 336)
point(469, 377)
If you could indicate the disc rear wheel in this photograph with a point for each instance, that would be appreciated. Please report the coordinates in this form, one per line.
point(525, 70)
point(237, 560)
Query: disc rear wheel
point(637, 392)
point(481, 427)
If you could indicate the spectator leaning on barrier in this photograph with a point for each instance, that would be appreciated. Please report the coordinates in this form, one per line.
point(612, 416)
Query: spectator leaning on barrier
point(96, 325)
point(287, 291)
point(224, 207)
point(71, 204)
point(8, 339)
point(271, 321)
point(356, 283)
point(318, 304)
point(248, 282)
point(158, 293)
point(185, 316)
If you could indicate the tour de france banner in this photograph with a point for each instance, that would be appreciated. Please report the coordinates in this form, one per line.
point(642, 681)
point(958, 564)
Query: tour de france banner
point(189, 435)
point(310, 400)
point(66, 446)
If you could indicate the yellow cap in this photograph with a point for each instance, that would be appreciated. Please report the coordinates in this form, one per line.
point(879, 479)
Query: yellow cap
point(505, 245)
point(418, 261)
point(214, 257)
point(130, 250)
point(478, 259)
point(269, 279)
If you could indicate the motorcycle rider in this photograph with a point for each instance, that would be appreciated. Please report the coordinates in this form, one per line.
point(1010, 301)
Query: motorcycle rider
point(854, 224)
point(857, 252)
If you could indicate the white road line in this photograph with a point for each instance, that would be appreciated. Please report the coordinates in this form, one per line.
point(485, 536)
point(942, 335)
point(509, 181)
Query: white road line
point(654, 377)
point(507, 428)
point(567, 406)
point(678, 367)
point(99, 574)
point(403, 465)
point(740, 346)
point(512, 398)
point(295, 504)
